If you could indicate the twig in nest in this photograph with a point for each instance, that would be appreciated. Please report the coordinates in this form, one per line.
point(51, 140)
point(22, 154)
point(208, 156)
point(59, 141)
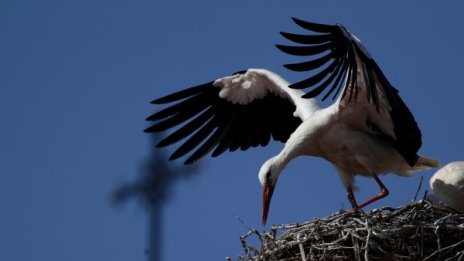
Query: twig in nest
point(302, 251)
point(418, 189)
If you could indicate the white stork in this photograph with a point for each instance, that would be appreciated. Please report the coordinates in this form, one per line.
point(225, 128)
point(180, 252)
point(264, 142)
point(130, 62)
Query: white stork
point(448, 184)
point(368, 130)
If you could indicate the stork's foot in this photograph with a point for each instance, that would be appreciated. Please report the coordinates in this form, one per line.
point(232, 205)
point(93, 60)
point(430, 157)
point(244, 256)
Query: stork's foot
point(352, 200)
point(383, 193)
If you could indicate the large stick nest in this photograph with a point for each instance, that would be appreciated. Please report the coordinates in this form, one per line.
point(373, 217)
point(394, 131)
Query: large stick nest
point(418, 231)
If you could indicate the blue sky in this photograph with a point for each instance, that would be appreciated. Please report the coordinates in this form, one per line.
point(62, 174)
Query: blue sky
point(76, 78)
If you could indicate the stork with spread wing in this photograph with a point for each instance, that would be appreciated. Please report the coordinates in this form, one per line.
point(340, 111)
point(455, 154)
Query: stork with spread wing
point(368, 131)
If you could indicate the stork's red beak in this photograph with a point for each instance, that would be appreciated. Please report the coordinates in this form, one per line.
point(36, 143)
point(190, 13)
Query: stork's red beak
point(267, 195)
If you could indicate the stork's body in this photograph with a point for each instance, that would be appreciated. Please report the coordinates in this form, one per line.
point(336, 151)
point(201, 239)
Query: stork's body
point(351, 150)
point(367, 131)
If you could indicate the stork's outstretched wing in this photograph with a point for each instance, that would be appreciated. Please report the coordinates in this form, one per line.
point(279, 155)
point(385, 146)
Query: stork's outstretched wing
point(239, 111)
point(340, 63)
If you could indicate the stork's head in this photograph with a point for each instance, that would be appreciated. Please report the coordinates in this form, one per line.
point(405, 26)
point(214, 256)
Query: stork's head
point(268, 175)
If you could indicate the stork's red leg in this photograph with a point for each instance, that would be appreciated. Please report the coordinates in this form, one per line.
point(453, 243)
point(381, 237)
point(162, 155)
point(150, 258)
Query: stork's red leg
point(383, 193)
point(351, 198)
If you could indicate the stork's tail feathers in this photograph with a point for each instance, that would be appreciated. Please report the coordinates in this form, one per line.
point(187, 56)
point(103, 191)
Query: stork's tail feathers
point(424, 163)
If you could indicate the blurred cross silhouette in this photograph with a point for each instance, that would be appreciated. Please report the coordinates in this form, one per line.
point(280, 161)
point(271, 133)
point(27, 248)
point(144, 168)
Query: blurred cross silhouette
point(152, 189)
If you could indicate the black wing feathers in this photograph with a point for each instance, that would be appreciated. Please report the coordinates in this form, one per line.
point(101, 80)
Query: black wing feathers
point(210, 123)
point(408, 135)
point(335, 56)
point(307, 39)
point(315, 27)
point(181, 94)
point(330, 54)
point(309, 65)
point(304, 50)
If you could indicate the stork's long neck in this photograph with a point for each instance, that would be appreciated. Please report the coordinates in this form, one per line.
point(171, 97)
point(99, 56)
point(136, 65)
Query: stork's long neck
point(304, 141)
point(289, 152)
point(283, 158)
